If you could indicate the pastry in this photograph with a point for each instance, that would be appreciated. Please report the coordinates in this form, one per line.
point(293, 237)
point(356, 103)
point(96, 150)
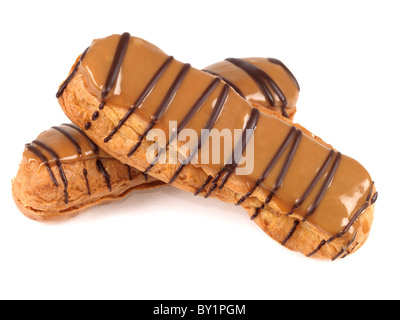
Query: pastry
point(42, 187)
point(63, 173)
point(300, 191)
point(262, 81)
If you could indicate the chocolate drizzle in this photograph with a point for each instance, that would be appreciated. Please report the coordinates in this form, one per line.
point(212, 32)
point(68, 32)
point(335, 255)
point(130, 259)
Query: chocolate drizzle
point(285, 166)
point(112, 74)
point(116, 64)
point(341, 251)
point(284, 155)
point(295, 135)
point(71, 75)
point(92, 144)
point(85, 174)
point(204, 96)
point(95, 149)
point(236, 156)
point(58, 163)
point(129, 172)
point(346, 248)
point(43, 158)
point(318, 198)
point(205, 133)
point(233, 86)
point(368, 201)
point(291, 232)
point(141, 97)
point(163, 106)
point(324, 187)
point(374, 198)
point(322, 243)
point(263, 81)
point(300, 201)
point(276, 61)
point(104, 172)
point(70, 138)
point(205, 183)
point(44, 145)
point(270, 166)
point(95, 115)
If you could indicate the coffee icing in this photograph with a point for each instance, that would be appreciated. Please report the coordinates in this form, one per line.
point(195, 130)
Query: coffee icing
point(309, 181)
point(65, 144)
point(263, 81)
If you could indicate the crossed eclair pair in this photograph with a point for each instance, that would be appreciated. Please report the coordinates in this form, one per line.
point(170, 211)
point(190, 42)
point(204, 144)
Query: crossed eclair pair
point(63, 172)
point(302, 192)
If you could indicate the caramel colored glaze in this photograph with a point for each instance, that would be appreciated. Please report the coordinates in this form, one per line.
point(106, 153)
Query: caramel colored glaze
point(333, 193)
point(270, 75)
point(67, 143)
point(72, 146)
point(64, 144)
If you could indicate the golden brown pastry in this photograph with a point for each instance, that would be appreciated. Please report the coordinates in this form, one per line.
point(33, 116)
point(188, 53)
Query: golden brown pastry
point(63, 158)
point(301, 191)
point(63, 173)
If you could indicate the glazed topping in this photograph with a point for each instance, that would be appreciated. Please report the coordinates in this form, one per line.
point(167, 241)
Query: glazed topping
point(309, 181)
point(264, 81)
point(67, 142)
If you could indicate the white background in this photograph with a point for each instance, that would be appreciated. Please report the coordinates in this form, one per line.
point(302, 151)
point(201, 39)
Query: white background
point(167, 244)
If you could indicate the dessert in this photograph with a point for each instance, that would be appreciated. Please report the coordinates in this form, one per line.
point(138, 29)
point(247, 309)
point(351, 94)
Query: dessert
point(63, 173)
point(42, 187)
point(262, 81)
point(302, 192)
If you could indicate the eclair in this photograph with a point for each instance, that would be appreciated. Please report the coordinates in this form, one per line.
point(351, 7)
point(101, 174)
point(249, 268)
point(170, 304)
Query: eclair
point(302, 192)
point(63, 172)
